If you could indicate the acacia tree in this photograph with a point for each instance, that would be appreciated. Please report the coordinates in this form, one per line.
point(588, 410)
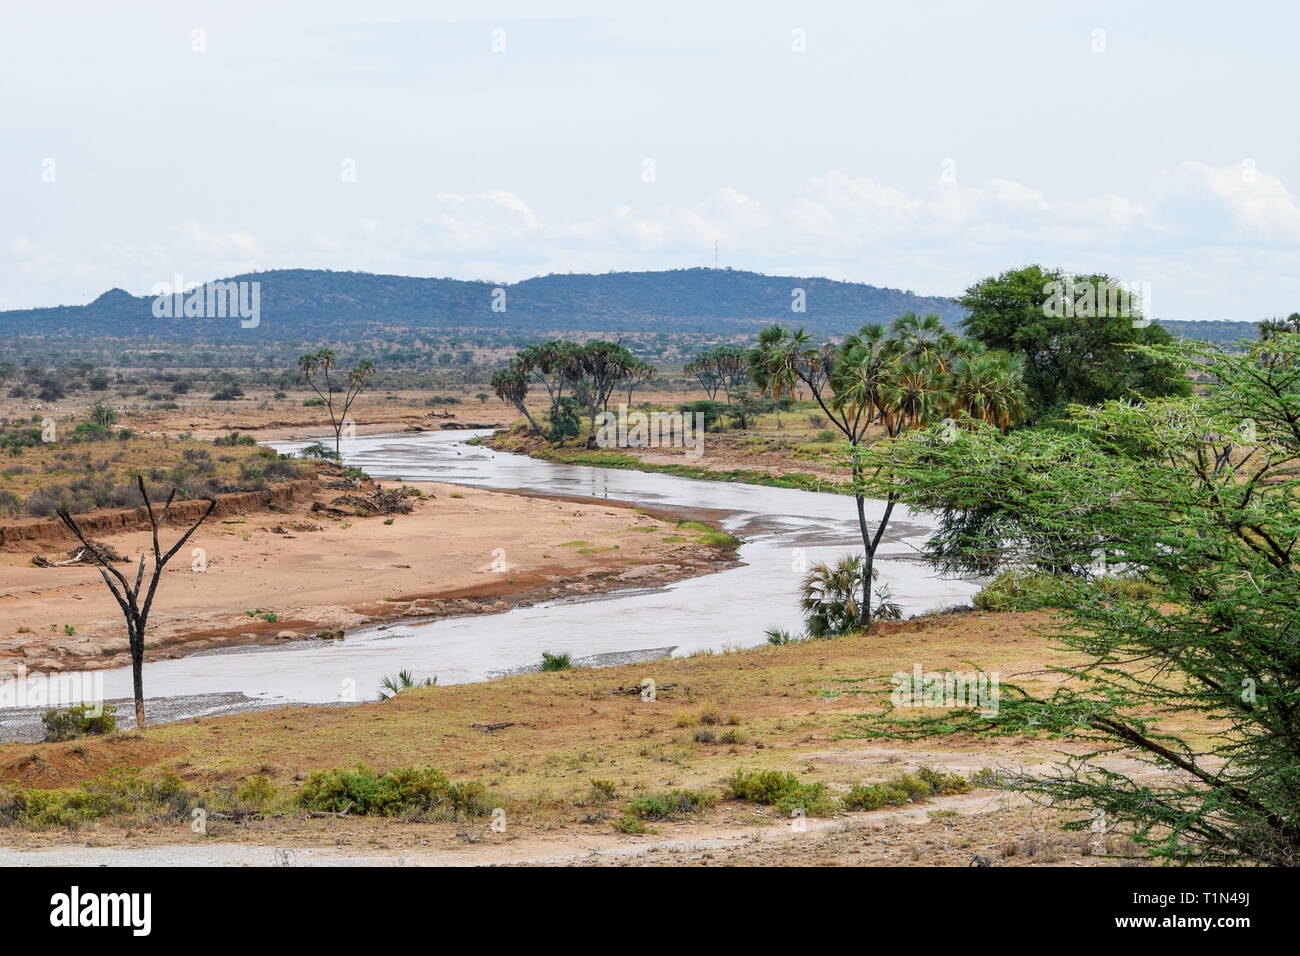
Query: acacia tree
point(705, 371)
point(1197, 501)
point(134, 599)
point(638, 373)
point(1068, 357)
point(316, 367)
point(723, 368)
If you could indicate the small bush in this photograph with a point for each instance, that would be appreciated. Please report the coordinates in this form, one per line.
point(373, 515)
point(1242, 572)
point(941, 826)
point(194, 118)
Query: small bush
point(556, 662)
point(603, 791)
point(670, 805)
point(80, 720)
point(942, 784)
point(874, 796)
point(422, 792)
point(783, 791)
point(256, 792)
point(905, 788)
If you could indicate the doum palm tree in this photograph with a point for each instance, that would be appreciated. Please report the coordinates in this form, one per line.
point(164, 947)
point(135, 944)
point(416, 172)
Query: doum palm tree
point(907, 378)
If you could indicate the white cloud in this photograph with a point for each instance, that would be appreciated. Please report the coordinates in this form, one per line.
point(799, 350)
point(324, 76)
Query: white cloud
point(234, 243)
point(1259, 202)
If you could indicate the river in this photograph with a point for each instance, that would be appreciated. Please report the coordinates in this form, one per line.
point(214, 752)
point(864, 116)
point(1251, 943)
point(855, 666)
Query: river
point(782, 530)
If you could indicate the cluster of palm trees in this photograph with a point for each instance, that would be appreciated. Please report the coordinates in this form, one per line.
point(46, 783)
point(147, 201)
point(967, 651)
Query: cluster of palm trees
point(910, 375)
point(906, 376)
point(576, 378)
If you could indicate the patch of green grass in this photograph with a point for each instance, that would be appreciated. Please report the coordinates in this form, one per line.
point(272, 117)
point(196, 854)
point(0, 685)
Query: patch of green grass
point(575, 544)
point(719, 539)
point(693, 526)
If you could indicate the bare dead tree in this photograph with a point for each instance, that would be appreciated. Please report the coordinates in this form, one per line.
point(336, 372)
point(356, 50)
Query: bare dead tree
point(128, 595)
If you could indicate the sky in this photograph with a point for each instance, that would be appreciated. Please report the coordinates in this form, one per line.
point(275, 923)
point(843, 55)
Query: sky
point(914, 145)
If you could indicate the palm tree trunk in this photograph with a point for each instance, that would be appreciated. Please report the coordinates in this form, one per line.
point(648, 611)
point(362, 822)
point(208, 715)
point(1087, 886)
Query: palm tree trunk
point(864, 609)
point(532, 422)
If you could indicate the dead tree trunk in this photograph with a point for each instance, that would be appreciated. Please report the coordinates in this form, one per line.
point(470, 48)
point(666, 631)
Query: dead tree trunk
point(135, 605)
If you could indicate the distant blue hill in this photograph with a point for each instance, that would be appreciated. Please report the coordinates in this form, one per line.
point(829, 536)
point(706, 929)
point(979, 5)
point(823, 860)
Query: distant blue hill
point(309, 305)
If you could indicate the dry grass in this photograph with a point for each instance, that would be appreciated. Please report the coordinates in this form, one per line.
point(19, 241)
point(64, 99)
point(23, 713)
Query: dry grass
point(568, 728)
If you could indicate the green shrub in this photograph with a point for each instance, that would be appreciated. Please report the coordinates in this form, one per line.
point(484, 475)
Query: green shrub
point(556, 662)
point(905, 788)
point(414, 791)
point(80, 720)
point(783, 791)
point(603, 790)
point(874, 796)
point(1021, 590)
point(118, 793)
point(256, 792)
point(670, 804)
point(942, 784)
point(630, 825)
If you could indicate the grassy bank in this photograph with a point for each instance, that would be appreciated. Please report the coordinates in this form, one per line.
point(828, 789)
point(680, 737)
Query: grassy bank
point(544, 746)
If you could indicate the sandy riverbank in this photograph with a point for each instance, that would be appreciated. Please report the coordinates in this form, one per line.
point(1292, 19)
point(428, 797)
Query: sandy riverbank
point(302, 573)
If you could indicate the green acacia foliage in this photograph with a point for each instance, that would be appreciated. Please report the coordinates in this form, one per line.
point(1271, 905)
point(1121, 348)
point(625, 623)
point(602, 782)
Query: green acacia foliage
point(1199, 499)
